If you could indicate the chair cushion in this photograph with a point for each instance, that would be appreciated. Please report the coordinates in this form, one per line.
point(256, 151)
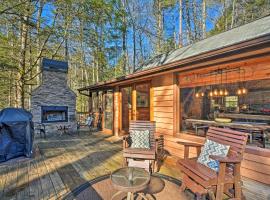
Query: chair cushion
point(140, 139)
point(212, 148)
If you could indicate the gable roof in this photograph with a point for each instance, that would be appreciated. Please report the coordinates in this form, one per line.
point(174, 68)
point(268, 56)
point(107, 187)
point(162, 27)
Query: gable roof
point(236, 35)
point(253, 34)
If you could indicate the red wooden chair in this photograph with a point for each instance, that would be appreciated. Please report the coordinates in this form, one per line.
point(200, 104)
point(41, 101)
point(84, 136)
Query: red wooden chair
point(137, 155)
point(202, 180)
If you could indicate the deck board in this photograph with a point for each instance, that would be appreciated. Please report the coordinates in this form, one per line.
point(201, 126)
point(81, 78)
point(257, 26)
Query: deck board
point(63, 163)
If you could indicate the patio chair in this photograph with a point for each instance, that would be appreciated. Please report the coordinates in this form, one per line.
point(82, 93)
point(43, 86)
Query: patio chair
point(41, 129)
point(141, 157)
point(201, 179)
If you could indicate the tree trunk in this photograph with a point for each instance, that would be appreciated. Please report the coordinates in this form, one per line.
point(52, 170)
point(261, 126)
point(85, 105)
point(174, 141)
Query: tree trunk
point(10, 90)
point(124, 33)
point(134, 47)
point(204, 19)
point(40, 9)
point(180, 42)
point(233, 13)
point(225, 16)
point(159, 26)
point(188, 22)
point(195, 21)
point(22, 59)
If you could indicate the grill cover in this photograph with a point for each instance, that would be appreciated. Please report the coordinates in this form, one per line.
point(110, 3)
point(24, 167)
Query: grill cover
point(16, 133)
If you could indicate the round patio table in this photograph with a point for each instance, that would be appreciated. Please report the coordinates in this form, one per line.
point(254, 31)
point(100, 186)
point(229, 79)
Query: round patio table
point(130, 180)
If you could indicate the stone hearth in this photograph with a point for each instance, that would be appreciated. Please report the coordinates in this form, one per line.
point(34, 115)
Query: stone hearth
point(53, 102)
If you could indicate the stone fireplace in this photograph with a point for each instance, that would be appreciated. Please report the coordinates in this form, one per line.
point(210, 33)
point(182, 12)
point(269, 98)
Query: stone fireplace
point(53, 103)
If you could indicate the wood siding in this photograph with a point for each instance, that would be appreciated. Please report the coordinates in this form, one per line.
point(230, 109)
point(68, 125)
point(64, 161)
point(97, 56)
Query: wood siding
point(163, 103)
point(252, 70)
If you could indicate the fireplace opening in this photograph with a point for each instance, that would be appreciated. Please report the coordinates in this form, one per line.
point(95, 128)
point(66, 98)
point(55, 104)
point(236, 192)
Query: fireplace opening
point(50, 114)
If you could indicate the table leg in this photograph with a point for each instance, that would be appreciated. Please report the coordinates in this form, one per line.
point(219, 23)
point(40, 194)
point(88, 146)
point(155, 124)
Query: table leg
point(116, 194)
point(130, 196)
point(144, 196)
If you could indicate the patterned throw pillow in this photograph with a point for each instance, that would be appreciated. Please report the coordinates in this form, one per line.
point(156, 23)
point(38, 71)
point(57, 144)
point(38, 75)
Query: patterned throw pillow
point(140, 139)
point(212, 148)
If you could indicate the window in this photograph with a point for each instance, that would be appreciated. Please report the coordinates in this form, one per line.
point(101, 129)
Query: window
point(142, 99)
point(231, 102)
point(109, 110)
point(256, 100)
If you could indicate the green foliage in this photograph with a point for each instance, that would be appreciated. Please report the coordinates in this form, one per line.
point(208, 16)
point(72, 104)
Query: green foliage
point(243, 12)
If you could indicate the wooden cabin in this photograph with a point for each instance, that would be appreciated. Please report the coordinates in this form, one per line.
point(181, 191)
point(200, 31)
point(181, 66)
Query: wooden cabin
point(223, 77)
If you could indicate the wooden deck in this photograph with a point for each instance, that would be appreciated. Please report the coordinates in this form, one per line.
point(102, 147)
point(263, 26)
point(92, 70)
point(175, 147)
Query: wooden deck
point(62, 163)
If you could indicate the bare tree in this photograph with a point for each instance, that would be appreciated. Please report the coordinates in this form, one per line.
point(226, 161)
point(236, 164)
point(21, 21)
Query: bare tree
point(180, 32)
point(204, 19)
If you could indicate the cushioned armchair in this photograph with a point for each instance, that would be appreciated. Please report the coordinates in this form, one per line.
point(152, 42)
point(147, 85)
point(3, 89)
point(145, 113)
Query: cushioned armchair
point(212, 172)
point(141, 157)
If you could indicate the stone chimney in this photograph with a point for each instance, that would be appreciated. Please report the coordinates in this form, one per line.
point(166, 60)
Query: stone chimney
point(53, 102)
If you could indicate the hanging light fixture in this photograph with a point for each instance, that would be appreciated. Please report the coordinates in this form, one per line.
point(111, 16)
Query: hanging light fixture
point(215, 92)
point(221, 93)
point(197, 94)
point(244, 91)
point(211, 94)
point(241, 88)
point(226, 93)
point(221, 88)
point(239, 91)
point(202, 94)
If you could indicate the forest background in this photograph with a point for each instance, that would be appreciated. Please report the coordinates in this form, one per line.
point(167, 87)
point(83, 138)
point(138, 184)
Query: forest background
point(103, 39)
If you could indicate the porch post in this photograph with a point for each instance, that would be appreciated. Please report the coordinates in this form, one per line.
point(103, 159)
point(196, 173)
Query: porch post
point(133, 102)
point(116, 111)
point(90, 102)
point(176, 105)
point(104, 93)
point(151, 99)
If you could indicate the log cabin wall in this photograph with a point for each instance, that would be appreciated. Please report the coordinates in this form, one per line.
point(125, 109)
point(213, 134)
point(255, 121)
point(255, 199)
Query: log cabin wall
point(163, 103)
point(255, 69)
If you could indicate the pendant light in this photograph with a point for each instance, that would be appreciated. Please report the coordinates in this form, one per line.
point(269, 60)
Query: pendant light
point(221, 93)
point(202, 94)
point(241, 88)
point(239, 91)
point(197, 94)
point(226, 93)
point(244, 90)
point(215, 92)
point(211, 94)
